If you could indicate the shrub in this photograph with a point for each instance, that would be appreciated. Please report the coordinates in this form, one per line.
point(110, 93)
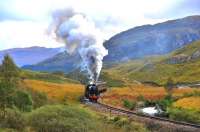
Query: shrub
point(12, 119)
point(60, 118)
point(129, 104)
point(148, 103)
point(124, 124)
point(136, 127)
point(23, 101)
point(163, 103)
point(184, 115)
point(39, 98)
point(166, 102)
point(6, 100)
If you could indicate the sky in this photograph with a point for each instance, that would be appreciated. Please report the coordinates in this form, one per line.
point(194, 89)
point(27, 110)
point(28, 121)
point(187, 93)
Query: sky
point(24, 23)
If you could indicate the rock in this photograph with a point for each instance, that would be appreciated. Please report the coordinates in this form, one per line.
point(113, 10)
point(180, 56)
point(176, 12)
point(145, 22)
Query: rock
point(196, 55)
point(181, 58)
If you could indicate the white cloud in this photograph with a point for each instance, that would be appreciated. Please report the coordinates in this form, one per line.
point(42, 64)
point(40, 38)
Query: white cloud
point(24, 34)
point(111, 16)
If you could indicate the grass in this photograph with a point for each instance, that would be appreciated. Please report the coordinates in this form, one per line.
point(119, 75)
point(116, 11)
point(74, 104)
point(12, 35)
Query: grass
point(60, 92)
point(116, 96)
point(61, 118)
point(110, 81)
point(188, 49)
point(157, 69)
point(188, 103)
point(49, 77)
point(186, 115)
point(57, 114)
point(70, 118)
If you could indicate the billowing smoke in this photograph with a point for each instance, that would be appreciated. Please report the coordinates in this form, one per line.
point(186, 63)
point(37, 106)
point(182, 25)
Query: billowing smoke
point(80, 36)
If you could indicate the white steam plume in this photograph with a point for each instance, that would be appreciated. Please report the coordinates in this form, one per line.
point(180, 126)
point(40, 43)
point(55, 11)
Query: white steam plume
point(80, 36)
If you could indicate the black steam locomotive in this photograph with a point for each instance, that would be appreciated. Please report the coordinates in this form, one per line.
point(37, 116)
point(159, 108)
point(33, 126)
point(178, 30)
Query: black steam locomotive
point(92, 91)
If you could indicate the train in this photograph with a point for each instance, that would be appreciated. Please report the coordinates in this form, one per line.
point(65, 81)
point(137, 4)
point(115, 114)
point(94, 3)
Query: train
point(93, 91)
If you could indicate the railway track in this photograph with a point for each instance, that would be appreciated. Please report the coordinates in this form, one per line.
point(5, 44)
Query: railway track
point(127, 112)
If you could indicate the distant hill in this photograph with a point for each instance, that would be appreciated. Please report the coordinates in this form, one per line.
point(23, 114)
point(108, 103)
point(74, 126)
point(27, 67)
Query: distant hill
point(155, 39)
point(59, 62)
point(139, 42)
point(29, 56)
point(181, 65)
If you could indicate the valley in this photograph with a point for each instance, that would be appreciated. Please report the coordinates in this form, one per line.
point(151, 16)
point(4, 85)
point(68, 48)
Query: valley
point(150, 66)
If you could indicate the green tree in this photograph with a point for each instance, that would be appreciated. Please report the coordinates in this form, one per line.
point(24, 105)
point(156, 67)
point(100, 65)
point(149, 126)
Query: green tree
point(9, 71)
point(8, 81)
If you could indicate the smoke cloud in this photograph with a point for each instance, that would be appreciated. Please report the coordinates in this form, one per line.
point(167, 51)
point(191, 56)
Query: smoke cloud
point(81, 37)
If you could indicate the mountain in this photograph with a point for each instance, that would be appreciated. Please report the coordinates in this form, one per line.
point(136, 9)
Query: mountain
point(59, 62)
point(155, 39)
point(182, 66)
point(139, 42)
point(29, 56)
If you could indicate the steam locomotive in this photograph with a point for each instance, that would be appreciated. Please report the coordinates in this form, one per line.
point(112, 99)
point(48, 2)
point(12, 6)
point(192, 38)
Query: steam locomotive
point(93, 91)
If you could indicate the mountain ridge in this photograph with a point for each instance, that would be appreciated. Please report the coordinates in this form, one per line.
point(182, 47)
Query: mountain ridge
point(139, 42)
point(158, 69)
point(22, 55)
point(154, 39)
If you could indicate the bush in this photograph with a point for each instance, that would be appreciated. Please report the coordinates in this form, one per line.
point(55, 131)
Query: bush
point(148, 103)
point(60, 118)
point(163, 103)
point(124, 124)
point(129, 104)
point(12, 118)
point(184, 115)
point(39, 98)
point(23, 101)
point(166, 102)
point(6, 100)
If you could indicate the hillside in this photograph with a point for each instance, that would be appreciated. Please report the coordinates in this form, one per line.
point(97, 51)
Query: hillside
point(22, 55)
point(59, 62)
point(181, 65)
point(155, 39)
point(60, 92)
point(135, 43)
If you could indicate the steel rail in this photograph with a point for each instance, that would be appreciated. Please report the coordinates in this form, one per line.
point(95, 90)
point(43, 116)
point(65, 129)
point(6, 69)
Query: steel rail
point(148, 116)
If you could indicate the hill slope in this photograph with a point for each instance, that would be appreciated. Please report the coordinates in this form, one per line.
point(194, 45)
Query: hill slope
point(60, 62)
point(155, 39)
point(138, 42)
point(22, 55)
point(182, 66)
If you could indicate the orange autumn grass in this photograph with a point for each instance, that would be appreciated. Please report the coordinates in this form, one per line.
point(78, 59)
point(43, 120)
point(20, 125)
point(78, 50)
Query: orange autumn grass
point(115, 96)
point(59, 92)
point(188, 103)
